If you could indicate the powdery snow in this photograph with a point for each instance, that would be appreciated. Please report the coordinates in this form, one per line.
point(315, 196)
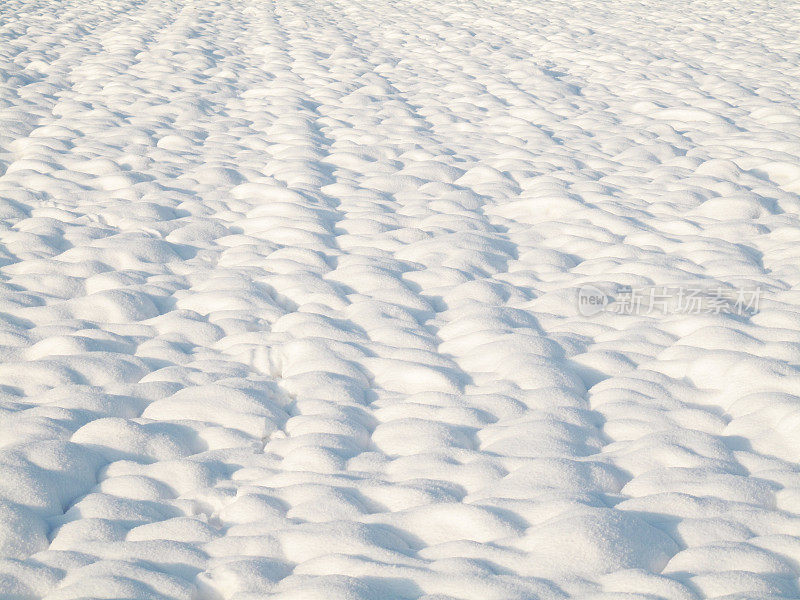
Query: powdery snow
point(309, 300)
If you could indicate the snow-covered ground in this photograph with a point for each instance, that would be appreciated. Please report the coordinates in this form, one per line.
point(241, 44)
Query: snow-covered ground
point(326, 299)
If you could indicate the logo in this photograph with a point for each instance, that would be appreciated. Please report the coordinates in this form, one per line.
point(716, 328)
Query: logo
point(591, 300)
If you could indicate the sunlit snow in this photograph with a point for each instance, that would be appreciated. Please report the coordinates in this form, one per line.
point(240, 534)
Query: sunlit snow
point(399, 299)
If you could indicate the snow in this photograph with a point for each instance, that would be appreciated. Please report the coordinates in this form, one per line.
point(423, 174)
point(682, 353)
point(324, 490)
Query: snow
point(324, 300)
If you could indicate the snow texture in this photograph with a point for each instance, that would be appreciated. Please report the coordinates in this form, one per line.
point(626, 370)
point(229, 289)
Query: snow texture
point(290, 299)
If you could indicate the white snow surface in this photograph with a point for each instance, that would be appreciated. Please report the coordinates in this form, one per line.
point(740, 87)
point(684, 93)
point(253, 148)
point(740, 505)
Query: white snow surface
point(289, 299)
